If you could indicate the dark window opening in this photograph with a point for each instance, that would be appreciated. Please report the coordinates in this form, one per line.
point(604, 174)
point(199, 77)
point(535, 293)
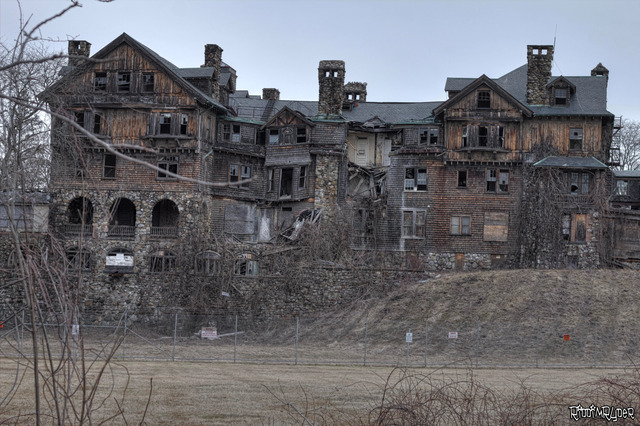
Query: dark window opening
point(100, 81)
point(79, 116)
point(483, 136)
point(208, 263)
point(97, 124)
point(122, 220)
point(301, 135)
point(247, 265)
point(462, 178)
point(184, 124)
point(424, 136)
point(465, 136)
point(80, 211)
point(168, 163)
point(109, 166)
point(165, 123)
point(240, 173)
point(235, 137)
point(148, 80)
point(274, 136)
point(433, 136)
point(123, 81)
point(164, 219)
point(566, 227)
point(560, 96)
point(497, 180)
point(484, 99)
point(286, 182)
point(501, 137)
point(415, 179)
point(271, 180)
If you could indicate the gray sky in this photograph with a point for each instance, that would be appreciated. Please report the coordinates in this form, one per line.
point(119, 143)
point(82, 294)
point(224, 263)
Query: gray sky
point(403, 49)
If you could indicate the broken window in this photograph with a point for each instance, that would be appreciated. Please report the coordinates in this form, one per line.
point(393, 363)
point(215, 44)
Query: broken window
point(497, 180)
point(500, 136)
point(79, 215)
point(78, 260)
point(484, 99)
point(235, 135)
point(97, 124)
point(123, 81)
point(578, 182)
point(165, 123)
point(208, 263)
point(460, 225)
point(79, 116)
point(302, 178)
point(301, 135)
point(164, 219)
point(184, 124)
point(433, 136)
point(465, 136)
point(271, 180)
point(168, 163)
point(286, 183)
point(162, 261)
point(560, 96)
point(109, 166)
point(239, 173)
point(100, 81)
point(424, 136)
point(462, 178)
point(483, 136)
point(148, 80)
point(414, 223)
point(246, 265)
point(566, 227)
point(622, 187)
point(274, 136)
point(575, 139)
point(415, 179)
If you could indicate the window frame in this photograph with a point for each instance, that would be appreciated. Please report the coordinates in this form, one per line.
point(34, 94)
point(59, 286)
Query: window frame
point(416, 185)
point(484, 99)
point(147, 81)
point(460, 225)
point(164, 123)
point(302, 177)
point(622, 187)
point(246, 265)
point(100, 81)
point(462, 179)
point(497, 180)
point(123, 81)
point(169, 163)
point(78, 260)
point(414, 223)
point(208, 263)
point(239, 173)
point(576, 137)
point(109, 170)
point(162, 261)
point(561, 96)
point(184, 124)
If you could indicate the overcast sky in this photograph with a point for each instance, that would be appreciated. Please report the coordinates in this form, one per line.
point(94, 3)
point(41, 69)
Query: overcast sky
point(403, 49)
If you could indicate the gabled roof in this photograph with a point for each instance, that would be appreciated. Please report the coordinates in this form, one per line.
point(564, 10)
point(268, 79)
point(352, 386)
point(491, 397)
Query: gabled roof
point(561, 80)
point(571, 163)
point(286, 110)
point(483, 80)
point(179, 75)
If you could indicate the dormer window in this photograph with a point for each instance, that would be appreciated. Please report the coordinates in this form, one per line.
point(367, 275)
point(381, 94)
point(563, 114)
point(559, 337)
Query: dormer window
point(301, 135)
point(484, 99)
point(560, 97)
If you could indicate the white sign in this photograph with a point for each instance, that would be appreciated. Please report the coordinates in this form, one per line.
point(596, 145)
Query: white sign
point(225, 294)
point(453, 335)
point(209, 333)
point(120, 259)
point(75, 329)
point(409, 337)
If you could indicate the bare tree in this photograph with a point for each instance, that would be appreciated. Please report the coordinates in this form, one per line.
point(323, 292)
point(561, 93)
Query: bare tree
point(628, 139)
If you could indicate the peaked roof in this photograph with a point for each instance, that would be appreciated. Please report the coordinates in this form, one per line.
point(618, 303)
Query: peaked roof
point(178, 74)
point(483, 80)
point(571, 163)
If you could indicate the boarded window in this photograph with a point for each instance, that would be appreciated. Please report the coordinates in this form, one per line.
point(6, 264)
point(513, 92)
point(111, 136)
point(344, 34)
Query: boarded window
point(496, 226)
point(239, 220)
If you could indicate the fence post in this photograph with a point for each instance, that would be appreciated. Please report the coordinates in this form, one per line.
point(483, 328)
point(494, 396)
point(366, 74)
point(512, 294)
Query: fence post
point(407, 365)
point(235, 340)
point(595, 350)
point(175, 331)
point(22, 332)
point(426, 340)
point(537, 341)
point(297, 326)
point(124, 337)
point(366, 329)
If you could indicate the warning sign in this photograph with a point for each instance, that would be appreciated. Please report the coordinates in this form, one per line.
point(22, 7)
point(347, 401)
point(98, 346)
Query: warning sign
point(209, 333)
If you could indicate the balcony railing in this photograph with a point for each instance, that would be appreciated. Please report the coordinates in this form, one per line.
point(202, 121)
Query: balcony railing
point(164, 231)
point(571, 199)
point(72, 229)
point(121, 231)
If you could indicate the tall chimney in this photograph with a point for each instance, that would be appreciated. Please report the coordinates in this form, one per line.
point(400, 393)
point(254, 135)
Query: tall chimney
point(271, 94)
point(213, 59)
point(539, 61)
point(331, 82)
point(77, 50)
point(355, 91)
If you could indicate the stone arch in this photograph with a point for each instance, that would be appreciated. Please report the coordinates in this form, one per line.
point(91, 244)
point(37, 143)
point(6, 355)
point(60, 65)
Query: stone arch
point(164, 219)
point(122, 218)
point(79, 216)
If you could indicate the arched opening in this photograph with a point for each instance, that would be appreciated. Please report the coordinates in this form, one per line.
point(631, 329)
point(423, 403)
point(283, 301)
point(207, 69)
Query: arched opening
point(164, 219)
point(79, 217)
point(208, 263)
point(122, 223)
point(162, 261)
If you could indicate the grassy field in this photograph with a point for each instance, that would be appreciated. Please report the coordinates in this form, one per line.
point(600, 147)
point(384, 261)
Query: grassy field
point(218, 393)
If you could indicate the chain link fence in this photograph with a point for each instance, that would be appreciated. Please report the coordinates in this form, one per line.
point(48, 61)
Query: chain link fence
point(224, 337)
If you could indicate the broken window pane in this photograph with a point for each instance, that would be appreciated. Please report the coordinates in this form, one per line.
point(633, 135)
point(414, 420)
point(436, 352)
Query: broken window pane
point(503, 181)
point(100, 81)
point(234, 173)
point(274, 136)
point(433, 136)
point(286, 182)
point(491, 180)
point(302, 181)
point(501, 137)
point(147, 82)
point(415, 179)
point(184, 124)
point(162, 261)
point(235, 137)
point(465, 139)
point(483, 136)
point(208, 263)
point(165, 123)
point(424, 136)
point(168, 163)
point(621, 187)
point(123, 81)
point(109, 166)
point(484, 99)
point(575, 139)
point(575, 183)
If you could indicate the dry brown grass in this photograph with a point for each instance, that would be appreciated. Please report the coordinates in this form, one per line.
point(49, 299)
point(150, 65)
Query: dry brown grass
point(218, 393)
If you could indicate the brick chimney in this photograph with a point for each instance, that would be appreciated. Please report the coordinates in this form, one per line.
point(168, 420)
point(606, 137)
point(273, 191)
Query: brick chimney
point(600, 71)
point(213, 59)
point(271, 94)
point(77, 50)
point(331, 82)
point(539, 61)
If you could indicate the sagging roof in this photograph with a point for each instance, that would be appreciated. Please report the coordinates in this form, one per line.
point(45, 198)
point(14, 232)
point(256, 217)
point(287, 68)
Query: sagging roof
point(571, 163)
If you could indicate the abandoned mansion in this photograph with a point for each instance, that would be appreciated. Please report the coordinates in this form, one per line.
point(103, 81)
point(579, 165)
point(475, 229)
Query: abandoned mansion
point(159, 170)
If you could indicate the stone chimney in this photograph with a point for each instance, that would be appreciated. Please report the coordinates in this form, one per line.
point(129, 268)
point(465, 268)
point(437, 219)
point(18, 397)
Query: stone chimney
point(213, 59)
point(355, 92)
point(331, 82)
point(77, 50)
point(600, 71)
point(539, 61)
point(271, 94)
